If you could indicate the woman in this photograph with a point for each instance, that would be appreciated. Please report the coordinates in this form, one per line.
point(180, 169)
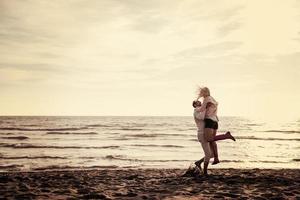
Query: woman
point(211, 122)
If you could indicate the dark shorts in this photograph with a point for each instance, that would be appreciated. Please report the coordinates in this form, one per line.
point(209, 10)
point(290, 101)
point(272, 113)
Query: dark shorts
point(209, 123)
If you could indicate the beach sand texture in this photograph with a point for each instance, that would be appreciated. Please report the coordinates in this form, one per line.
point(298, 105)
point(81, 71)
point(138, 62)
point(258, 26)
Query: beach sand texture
point(151, 184)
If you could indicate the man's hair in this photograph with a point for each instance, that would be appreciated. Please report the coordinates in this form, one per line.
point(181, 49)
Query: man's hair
point(195, 103)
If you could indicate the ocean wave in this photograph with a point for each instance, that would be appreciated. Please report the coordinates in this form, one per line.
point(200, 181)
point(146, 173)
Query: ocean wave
point(6, 133)
point(42, 129)
point(164, 124)
point(253, 124)
point(31, 157)
point(175, 134)
point(230, 161)
point(67, 167)
point(282, 131)
point(119, 157)
point(99, 125)
point(267, 161)
point(167, 160)
point(31, 125)
point(156, 145)
point(142, 135)
point(10, 167)
point(258, 138)
point(252, 161)
point(71, 133)
point(120, 138)
point(126, 125)
point(30, 146)
point(124, 158)
point(16, 138)
point(87, 157)
point(184, 129)
point(130, 129)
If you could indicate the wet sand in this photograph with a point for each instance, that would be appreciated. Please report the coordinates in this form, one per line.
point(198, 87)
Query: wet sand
point(151, 184)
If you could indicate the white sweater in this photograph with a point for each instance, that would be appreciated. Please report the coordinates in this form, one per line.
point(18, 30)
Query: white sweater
point(211, 111)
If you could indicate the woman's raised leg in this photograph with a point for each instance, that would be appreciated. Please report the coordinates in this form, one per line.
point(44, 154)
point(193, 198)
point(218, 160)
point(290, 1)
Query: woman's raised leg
point(225, 136)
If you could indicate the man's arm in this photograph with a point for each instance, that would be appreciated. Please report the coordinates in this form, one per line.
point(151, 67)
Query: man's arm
point(200, 115)
point(204, 104)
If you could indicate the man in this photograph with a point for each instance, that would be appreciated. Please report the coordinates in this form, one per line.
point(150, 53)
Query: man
point(199, 116)
point(199, 120)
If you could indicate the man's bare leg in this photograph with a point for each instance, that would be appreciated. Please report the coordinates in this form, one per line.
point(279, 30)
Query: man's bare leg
point(199, 162)
point(205, 168)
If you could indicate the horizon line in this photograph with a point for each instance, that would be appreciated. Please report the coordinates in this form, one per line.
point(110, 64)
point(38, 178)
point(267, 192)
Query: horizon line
point(109, 116)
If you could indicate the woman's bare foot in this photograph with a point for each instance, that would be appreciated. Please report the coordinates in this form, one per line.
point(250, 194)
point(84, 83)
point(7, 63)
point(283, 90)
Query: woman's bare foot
point(216, 161)
point(229, 135)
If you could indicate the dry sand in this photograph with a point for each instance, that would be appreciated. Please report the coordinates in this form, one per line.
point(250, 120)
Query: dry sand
point(151, 184)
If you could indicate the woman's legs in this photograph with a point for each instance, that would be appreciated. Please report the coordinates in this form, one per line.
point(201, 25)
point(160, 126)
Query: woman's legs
point(211, 137)
point(214, 148)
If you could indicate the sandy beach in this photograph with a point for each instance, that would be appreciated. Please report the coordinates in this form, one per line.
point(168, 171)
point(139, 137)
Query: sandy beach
point(151, 184)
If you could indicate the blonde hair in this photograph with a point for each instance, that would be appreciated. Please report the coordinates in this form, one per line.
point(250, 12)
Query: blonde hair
point(204, 91)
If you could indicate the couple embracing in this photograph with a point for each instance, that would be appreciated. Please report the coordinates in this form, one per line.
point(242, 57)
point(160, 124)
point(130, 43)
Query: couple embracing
point(206, 119)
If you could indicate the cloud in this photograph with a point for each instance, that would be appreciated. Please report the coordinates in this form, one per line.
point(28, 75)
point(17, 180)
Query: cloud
point(18, 34)
point(240, 72)
point(223, 14)
point(226, 29)
point(124, 46)
point(46, 67)
point(214, 50)
point(149, 24)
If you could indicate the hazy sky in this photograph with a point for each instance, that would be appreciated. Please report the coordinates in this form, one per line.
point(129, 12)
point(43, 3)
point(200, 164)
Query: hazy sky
point(145, 57)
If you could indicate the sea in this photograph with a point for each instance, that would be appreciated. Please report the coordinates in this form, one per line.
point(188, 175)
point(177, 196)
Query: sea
point(31, 143)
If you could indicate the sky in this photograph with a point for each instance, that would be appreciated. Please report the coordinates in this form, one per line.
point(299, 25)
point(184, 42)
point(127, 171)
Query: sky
point(135, 57)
